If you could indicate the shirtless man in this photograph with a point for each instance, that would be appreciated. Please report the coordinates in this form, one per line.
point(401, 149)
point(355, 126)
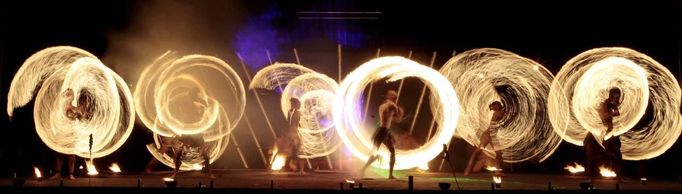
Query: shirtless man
point(487, 138)
point(79, 112)
point(195, 140)
point(389, 113)
point(611, 144)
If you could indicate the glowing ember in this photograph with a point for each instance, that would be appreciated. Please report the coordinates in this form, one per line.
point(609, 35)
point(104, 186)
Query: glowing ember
point(37, 172)
point(115, 168)
point(492, 169)
point(497, 179)
point(605, 172)
point(278, 163)
point(575, 169)
point(92, 170)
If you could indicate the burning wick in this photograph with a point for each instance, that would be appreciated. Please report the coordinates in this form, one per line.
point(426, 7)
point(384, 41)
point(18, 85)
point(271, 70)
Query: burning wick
point(36, 171)
point(115, 168)
point(605, 172)
point(575, 169)
point(498, 181)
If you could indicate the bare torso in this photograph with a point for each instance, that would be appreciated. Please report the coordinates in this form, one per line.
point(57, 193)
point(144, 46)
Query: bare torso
point(389, 112)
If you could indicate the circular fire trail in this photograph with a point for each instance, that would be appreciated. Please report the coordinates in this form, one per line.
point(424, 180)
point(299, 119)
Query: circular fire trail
point(81, 106)
point(192, 95)
point(649, 121)
point(482, 76)
point(316, 92)
point(347, 110)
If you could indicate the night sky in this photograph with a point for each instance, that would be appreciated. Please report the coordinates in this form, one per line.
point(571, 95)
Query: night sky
point(127, 35)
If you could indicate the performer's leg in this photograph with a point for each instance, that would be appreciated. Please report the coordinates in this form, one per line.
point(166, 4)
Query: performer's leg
point(58, 167)
point(369, 162)
point(391, 149)
point(467, 170)
point(176, 160)
point(207, 161)
point(72, 166)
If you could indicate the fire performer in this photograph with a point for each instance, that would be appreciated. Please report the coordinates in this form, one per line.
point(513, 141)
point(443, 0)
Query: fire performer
point(389, 113)
point(487, 138)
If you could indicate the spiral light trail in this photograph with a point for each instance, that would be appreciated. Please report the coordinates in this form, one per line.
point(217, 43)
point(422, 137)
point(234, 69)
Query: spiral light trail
point(166, 104)
point(107, 104)
point(481, 76)
point(316, 92)
point(649, 121)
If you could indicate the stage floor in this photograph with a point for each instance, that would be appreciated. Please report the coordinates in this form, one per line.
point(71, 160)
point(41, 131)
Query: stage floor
point(330, 180)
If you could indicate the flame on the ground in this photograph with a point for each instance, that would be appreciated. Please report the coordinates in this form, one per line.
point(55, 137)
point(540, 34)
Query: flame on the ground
point(197, 166)
point(577, 168)
point(278, 162)
point(115, 168)
point(168, 179)
point(606, 172)
point(37, 172)
point(497, 179)
point(92, 170)
point(424, 166)
point(492, 169)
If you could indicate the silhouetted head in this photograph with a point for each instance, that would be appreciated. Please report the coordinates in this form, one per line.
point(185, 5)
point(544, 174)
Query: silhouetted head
point(391, 95)
point(614, 94)
point(496, 106)
point(295, 104)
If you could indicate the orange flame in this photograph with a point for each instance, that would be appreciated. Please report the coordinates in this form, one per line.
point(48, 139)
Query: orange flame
point(115, 168)
point(497, 179)
point(278, 163)
point(37, 172)
point(575, 169)
point(492, 169)
point(92, 170)
point(606, 172)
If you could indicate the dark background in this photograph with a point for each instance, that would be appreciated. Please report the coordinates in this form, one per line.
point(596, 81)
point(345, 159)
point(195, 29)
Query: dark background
point(127, 35)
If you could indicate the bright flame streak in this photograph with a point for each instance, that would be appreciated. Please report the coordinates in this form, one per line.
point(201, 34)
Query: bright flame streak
point(166, 179)
point(92, 170)
point(497, 179)
point(350, 181)
point(492, 169)
point(577, 168)
point(115, 168)
point(278, 163)
point(347, 114)
point(36, 171)
point(481, 76)
point(605, 172)
point(165, 106)
point(51, 72)
point(583, 82)
point(197, 167)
